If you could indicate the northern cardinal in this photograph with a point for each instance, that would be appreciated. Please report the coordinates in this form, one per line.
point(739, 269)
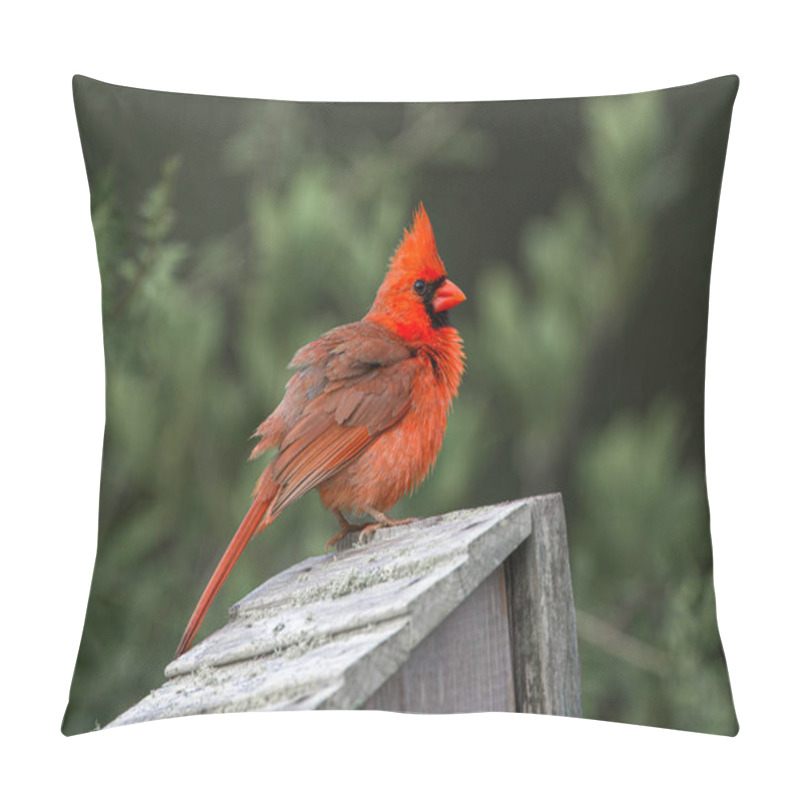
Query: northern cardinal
point(363, 417)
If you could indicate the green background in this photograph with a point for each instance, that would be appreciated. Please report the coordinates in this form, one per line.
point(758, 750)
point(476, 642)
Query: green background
point(232, 232)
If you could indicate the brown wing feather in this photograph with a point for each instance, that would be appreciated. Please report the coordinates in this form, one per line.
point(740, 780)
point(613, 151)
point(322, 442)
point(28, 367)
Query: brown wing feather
point(352, 385)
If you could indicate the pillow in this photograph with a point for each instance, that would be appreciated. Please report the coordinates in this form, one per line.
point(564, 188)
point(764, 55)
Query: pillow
point(232, 232)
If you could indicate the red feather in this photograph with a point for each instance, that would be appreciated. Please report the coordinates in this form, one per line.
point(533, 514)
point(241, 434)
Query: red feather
point(364, 415)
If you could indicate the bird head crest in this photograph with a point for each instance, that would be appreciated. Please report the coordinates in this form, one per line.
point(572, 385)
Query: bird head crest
point(417, 251)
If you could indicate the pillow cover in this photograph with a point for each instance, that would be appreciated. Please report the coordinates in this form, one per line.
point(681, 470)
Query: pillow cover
point(232, 232)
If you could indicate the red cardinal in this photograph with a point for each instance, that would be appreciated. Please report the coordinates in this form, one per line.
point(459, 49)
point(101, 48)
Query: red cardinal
point(363, 418)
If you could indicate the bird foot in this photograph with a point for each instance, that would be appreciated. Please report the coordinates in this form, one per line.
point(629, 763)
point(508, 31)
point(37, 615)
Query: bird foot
point(382, 521)
point(365, 531)
point(346, 528)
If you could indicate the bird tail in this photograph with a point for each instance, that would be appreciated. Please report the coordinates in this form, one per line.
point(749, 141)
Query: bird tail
point(257, 518)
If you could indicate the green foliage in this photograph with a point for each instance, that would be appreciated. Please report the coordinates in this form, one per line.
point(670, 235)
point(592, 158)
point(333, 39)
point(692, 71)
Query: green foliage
point(642, 517)
point(198, 335)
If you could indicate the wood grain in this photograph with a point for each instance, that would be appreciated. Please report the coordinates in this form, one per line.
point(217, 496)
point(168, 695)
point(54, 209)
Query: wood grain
point(544, 643)
point(463, 665)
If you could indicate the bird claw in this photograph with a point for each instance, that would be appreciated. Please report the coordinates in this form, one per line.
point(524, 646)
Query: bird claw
point(382, 522)
point(365, 531)
point(346, 527)
point(332, 541)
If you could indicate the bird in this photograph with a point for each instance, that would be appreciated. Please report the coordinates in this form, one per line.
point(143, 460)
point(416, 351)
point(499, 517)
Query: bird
point(363, 416)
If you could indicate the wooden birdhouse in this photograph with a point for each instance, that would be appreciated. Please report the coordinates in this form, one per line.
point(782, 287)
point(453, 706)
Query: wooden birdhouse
point(470, 611)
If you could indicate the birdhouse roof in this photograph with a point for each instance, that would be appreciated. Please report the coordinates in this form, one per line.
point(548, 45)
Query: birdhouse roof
point(330, 630)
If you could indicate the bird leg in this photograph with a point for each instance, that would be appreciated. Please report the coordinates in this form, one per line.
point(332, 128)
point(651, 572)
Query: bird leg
point(366, 530)
point(382, 521)
point(345, 527)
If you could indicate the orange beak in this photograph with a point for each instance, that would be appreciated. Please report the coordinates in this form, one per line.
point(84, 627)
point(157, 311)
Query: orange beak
point(447, 296)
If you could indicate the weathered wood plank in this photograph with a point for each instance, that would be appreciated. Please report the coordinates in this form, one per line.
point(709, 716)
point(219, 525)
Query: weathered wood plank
point(542, 616)
point(463, 665)
point(328, 632)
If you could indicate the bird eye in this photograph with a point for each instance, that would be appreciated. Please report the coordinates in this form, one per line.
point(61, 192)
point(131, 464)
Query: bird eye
point(419, 286)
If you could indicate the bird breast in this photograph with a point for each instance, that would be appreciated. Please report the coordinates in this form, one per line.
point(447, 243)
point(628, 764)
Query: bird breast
point(400, 457)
